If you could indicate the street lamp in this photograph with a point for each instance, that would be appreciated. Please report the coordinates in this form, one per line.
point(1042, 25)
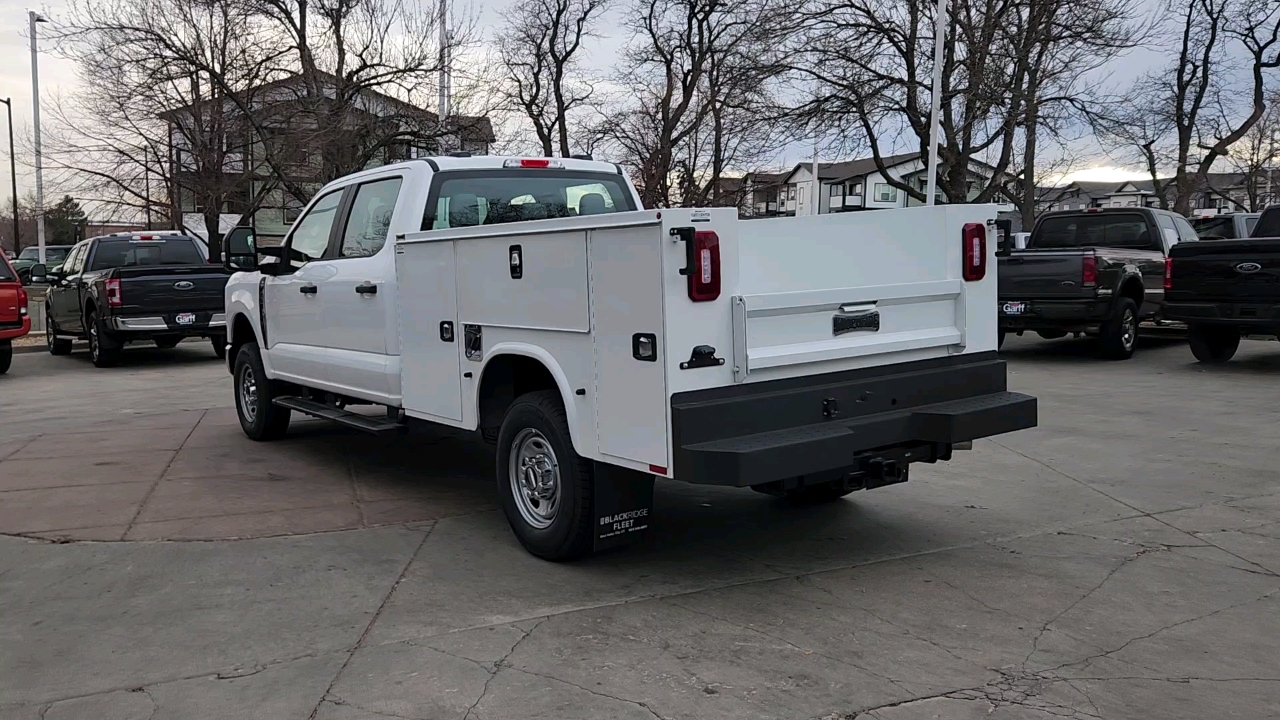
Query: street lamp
point(13, 174)
point(35, 17)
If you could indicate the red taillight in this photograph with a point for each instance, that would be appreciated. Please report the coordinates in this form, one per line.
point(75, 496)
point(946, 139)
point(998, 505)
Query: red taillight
point(1168, 273)
point(704, 271)
point(975, 251)
point(22, 301)
point(1089, 271)
point(535, 163)
point(114, 298)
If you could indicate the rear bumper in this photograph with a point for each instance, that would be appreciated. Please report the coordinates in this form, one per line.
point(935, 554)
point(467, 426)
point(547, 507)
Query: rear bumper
point(1058, 314)
point(842, 424)
point(205, 323)
point(1255, 317)
point(9, 331)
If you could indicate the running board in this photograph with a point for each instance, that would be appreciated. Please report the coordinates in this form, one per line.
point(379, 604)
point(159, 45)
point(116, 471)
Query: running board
point(374, 425)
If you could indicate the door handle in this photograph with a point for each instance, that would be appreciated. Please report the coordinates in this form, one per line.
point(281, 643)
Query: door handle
point(307, 289)
point(367, 289)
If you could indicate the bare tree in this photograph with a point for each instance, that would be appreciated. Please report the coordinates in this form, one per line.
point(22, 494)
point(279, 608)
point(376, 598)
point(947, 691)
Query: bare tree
point(540, 50)
point(1254, 157)
point(1189, 115)
point(697, 77)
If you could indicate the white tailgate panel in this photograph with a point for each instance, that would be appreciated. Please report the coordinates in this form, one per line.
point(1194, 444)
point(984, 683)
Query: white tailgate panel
point(426, 295)
point(630, 394)
point(551, 295)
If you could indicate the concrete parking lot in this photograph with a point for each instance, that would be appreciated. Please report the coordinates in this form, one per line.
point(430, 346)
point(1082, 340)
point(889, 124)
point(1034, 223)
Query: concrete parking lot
point(1122, 560)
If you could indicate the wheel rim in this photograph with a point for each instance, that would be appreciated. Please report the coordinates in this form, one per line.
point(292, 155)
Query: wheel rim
point(48, 333)
point(93, 337)
point(1129, 333)
point(248, 394)
point(534, 474)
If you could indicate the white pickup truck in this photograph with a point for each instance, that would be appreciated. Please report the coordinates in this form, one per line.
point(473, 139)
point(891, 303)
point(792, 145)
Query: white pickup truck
point(600, 344)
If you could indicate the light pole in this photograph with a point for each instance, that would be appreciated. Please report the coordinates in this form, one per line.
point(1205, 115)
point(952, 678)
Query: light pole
point(13, 176)
point(34, 17)
point(939, 43)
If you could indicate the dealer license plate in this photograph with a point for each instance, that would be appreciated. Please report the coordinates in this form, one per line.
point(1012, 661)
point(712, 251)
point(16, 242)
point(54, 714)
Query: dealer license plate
point(185, 318)
point(1018, 307)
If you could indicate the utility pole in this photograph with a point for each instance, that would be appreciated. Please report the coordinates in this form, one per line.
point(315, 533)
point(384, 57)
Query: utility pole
point(445, 89)
point(935, 121)
point(33, 17)
point(13, 176)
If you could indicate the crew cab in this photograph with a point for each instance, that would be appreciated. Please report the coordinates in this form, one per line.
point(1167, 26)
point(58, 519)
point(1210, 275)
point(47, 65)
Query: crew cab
point(599, 344)
point(133, 287)
point(14, 320)
point(1098, 270)
point(1224, 226)
point(1227, 289)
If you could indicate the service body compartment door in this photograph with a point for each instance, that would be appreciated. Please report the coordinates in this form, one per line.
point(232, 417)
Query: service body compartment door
point(429, 333)
point(626, 314)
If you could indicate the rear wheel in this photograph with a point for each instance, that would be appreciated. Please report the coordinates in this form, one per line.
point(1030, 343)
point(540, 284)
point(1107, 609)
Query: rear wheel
point(166, 342)
point(219, 343)
point(56, 345)
point(6, 355)
point(260, 418)
point(544, 486)
point(1119, 335)
point(1213, 344)
point(102, 350)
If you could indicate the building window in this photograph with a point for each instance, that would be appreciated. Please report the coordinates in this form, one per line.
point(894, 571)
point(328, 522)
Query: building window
point(886, 193)
point(837, 190)
point(856, 188)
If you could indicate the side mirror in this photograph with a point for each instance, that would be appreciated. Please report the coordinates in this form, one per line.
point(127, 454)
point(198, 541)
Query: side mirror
point(239, 250)
point(39, 273)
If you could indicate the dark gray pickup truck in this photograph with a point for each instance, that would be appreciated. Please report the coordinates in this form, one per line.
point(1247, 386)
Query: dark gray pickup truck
point(134, 287)
point(1227, 289)
point(1099, 270)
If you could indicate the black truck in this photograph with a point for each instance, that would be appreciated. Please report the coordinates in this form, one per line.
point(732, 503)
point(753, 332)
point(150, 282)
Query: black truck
point(133, 287)
point(1227, 289)
point(1097, 270)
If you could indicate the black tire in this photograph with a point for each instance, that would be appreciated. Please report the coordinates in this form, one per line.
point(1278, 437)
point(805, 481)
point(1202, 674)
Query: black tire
point(1052, 334)
point(6, 355)
point(219, 343)
point(165, 343)
point(104, 352)
point(260, 418)
point(535, 424)
point(1119, 335)
point(1213, 345)
point(56, 345)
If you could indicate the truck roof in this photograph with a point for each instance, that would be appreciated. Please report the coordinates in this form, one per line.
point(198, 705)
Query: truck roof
point(492, 162)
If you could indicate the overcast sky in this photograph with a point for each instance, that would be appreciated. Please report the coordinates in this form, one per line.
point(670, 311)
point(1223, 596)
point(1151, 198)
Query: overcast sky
point(58, 76)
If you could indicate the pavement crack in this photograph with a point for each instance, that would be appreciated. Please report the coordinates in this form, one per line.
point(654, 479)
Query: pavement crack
point(372, 621)
point(160, 478)
point(598, 693)
point(355, 491)
point(497, 667)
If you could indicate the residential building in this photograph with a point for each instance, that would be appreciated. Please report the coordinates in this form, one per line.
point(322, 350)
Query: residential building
point(412, 132)
point(1224, 192)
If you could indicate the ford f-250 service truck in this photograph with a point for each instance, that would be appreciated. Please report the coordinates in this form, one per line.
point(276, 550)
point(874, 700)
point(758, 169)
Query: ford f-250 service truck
point(599, 344)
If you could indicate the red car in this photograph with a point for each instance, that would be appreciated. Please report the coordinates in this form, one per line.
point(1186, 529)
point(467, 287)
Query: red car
point(14, 320)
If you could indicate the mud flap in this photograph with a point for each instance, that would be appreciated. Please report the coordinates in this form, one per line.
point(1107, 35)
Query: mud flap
point(623, 506)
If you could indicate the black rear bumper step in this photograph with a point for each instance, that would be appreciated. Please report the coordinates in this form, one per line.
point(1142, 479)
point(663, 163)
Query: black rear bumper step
point(842, 422)
point(368, 424)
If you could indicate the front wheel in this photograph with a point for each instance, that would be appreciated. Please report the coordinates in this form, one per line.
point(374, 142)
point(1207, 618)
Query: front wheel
point(1119, 335)
point(544, 486)
point(260, 418)
point(1213, 345)
point(102, 355)
point(6, 355)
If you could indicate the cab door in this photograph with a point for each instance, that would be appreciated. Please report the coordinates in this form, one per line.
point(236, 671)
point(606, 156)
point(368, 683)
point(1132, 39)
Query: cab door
point(64, 295)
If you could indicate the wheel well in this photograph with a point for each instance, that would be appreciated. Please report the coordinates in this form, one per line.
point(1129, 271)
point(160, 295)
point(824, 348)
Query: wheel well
point(1132, 289)
point(506, 378)
point(241, 333)
point(88, 308)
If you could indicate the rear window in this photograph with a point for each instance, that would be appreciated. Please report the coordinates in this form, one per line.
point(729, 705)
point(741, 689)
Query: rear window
point(1249, 224)
point(493, 197)
point(1119, 230)
point(1214, 228)
point(132, 253)
point(6, 274)
point(52, 256)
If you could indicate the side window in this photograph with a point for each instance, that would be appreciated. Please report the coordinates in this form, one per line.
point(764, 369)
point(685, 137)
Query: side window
point(1167, 229)
point(1185, 230)
point(311, 235)
point(75, 260)
point(370, 218)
